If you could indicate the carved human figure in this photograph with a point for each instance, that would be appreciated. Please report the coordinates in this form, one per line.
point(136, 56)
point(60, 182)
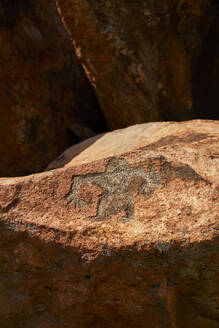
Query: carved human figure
point(119, 183)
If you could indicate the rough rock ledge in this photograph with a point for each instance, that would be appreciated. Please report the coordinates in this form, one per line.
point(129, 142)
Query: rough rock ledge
point(124, 234)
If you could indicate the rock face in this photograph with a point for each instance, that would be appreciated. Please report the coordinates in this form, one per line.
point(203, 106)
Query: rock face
point(43, 89)
point(127, 237)
point(145, 58)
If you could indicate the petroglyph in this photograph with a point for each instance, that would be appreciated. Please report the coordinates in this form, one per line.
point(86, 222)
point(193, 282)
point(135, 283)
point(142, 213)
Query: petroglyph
point(118, 183)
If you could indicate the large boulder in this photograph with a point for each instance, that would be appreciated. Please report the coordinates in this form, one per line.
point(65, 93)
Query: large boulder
point(125, 234)
point(146, 58)
point(44, 92)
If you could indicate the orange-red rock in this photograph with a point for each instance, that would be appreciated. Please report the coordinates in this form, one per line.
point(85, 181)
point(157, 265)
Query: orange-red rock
point(123, 238)
point(148, 60)
point(43, 89)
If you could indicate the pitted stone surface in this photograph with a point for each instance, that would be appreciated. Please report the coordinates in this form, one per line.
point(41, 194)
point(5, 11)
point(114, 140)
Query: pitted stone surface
point(118, 183)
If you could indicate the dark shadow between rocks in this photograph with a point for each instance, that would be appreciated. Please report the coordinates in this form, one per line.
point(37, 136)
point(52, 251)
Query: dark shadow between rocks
point(206, 73)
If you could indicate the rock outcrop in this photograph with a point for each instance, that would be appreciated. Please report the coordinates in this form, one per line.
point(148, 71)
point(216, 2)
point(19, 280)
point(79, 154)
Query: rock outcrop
point(125, 234)
point(44, 91)
point(145, 58)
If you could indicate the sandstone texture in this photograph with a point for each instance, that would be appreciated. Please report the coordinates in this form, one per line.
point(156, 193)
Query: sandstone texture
point(148, 60)
point(123, 234)
point(44, 91)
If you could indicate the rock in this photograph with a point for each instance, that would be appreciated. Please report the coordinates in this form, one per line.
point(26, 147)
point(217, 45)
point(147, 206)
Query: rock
point(125, 237)
point(43, 88)
point(145, 58)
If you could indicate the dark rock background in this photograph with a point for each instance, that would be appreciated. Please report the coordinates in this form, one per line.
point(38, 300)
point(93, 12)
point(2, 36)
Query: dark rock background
point(47, 103)
point(148, 61)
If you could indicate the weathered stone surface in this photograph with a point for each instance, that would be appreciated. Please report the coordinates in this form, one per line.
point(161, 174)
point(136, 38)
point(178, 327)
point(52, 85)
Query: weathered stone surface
point(127, 238)
point(43, 89)
point(145, 58)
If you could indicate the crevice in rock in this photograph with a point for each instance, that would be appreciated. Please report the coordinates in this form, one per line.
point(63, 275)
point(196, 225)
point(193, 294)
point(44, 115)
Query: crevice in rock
point(206, 73)
point(49, 288)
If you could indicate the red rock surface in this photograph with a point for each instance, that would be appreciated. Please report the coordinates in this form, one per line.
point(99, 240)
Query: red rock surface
point(124, 238)
point(148, 60)
point(43, 89)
